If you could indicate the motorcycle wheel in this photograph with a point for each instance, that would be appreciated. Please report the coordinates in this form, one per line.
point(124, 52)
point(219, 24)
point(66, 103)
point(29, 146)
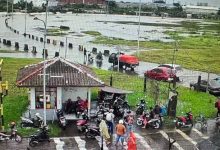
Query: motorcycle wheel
point(18, 138)
point(198, 125)
point(22, 125)
point(139, 122)
point(33, 143)
point(89, 135)
point(156, 125)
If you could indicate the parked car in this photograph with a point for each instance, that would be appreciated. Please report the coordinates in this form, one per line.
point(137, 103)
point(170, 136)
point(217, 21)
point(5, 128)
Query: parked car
point(213, 86)
point(161, 73)
point(126, 61)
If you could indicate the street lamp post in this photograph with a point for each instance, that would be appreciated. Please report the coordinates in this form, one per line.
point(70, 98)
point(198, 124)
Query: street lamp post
point(139, 19)
point(44, 65)
point(25, 22)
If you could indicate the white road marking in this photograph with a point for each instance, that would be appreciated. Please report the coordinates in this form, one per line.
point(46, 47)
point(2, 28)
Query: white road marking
point(200, 133)
point(81, 143)
point(143, 142)
point(167, 137)
point(98, 138)
point(59, 144)
point(187, 137)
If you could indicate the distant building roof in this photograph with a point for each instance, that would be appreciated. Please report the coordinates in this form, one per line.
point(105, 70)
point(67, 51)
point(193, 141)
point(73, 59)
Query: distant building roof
point(59, 72)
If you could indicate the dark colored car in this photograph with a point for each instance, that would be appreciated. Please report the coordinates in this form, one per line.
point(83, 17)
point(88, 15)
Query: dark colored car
point(213, 86)
point(161, 73)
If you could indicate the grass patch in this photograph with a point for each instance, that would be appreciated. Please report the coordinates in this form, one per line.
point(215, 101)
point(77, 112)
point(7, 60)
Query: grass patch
point(10, 51)
point(94, 33)
point(56, 32)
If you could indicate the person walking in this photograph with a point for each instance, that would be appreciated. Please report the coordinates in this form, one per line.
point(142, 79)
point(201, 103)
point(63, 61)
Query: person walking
point(120, 131)
point(85, 55)
point(110, 119)
point(132, 144)
point(217, 105)
point(104, 131)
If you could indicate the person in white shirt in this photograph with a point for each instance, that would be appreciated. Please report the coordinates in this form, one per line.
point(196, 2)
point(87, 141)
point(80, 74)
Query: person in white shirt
point(110, 119)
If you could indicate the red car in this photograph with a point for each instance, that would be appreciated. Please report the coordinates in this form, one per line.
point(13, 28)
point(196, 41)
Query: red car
point(161, 73)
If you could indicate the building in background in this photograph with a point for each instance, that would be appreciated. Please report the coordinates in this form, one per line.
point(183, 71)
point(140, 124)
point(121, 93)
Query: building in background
point(88, 2)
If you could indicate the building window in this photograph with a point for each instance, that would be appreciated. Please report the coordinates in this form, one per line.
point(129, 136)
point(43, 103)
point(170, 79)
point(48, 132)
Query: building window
point(51, 98)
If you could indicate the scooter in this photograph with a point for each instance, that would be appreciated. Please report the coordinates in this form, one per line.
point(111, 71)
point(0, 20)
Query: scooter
point(41, 136)
point(31, 122)
point(184, 121)
point(13, 136)
point(81, 124)
point(155, 123)
point(141, 107)
point(61, 119)
point(92, 132)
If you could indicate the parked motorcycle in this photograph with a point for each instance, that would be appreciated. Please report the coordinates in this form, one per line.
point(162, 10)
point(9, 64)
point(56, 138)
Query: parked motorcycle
point(81, 108)
point(41, 136)
point(13, 136)
point(61, 119)
point(184, 121)
point(141, 107)
point(155, 123)
point(92, 132)
point(81, 124)
point(31, 122)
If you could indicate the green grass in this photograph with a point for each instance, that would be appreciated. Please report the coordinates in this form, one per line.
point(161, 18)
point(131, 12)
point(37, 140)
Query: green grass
point(94, 33)
point(10, 51)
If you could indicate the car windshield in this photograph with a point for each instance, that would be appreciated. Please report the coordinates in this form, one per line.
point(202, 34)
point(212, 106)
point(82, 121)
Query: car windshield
point(172, 66)
point(214, 84)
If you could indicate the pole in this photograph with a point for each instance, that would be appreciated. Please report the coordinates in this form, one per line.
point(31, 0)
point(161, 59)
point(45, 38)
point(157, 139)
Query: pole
point(66, 48)
point(207, 86)
point(139, 19)
point(118, 58)
point(12, 8)
point(44, 70)
point(25, 22)
point(7, 7)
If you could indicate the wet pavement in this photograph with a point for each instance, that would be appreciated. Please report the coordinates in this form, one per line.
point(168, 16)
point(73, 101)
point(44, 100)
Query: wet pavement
point(147, 139)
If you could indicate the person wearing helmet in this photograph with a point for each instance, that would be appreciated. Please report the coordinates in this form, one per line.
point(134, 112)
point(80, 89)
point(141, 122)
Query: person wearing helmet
point(120, 131)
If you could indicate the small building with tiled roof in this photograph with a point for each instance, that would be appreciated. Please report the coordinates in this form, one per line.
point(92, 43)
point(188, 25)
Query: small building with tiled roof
point(64, 80)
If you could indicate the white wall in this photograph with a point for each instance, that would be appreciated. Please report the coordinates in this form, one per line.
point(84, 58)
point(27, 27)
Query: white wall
point(59, 97)
point(32, 98)
point(73, 92)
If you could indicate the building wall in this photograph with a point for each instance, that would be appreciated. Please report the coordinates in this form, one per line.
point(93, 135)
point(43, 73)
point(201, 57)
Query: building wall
point(73, 92)
point(82, 1)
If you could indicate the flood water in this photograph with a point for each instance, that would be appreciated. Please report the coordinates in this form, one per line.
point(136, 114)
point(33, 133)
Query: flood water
point(105, 24)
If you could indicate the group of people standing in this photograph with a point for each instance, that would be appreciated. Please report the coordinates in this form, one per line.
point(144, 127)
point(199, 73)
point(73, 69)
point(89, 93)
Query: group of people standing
point(124, 126)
